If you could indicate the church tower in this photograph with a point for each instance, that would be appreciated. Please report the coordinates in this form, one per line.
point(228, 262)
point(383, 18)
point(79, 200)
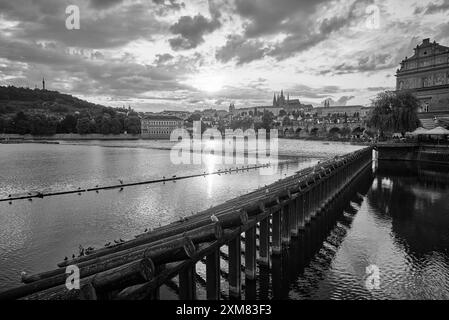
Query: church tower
point(43, 83)
point(274, 100)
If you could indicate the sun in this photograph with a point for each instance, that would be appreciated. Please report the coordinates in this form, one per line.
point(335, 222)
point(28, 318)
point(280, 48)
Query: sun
point(208, 82)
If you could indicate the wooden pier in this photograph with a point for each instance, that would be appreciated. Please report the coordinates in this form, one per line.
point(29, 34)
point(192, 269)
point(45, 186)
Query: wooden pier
point(253, 228)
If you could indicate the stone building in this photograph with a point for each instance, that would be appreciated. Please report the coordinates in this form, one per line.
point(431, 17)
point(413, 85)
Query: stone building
point(426, 74)
point(159, 126)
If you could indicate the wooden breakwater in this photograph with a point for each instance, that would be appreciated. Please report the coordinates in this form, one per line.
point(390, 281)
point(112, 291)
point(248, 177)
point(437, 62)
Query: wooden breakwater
point(265, 219)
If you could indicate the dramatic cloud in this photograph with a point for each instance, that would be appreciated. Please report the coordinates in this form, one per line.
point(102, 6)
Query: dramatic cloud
point(191, 31)
point(244, 51)
point(185, 54)
point(433, 8)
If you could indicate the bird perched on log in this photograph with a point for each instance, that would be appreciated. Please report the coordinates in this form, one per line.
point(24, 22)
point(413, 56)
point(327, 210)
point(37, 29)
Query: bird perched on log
point(214, 218)
point(121, 181)
point(146, 230)
point(65, 259)
point(9, 195)
point(73, 256)
point(107, 244)
point(115, 241)
point(121, 240)
point(23, 274)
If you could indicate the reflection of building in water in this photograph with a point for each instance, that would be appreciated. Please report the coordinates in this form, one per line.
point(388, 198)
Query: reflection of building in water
point(159, 127)
point(426, 74)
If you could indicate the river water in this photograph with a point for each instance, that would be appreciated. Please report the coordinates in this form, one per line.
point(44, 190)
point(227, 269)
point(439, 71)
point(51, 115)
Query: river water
point(396, 219)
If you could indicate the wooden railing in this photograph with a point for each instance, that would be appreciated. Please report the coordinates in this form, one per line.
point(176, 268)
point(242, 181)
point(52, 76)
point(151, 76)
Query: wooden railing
point(264, 220)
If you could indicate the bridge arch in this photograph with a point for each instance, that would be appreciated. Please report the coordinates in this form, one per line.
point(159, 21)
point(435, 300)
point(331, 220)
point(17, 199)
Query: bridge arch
point(358, 130)
point(335, 131)
point(314, 131)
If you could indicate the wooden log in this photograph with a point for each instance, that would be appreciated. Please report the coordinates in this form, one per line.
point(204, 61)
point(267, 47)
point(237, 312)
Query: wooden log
point(124, 276)
point(176, 250)
point(233, 219)
point(204, 234)
point(130, 274)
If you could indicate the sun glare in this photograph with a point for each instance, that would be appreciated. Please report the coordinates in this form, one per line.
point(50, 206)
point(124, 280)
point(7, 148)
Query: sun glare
point(208, 82)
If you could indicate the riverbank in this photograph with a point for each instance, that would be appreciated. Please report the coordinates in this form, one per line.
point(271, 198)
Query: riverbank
point(68, 137)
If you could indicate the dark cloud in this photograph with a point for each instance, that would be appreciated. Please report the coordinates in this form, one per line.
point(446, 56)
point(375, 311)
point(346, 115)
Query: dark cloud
point(163, 58)
point(104, 4)
point(297, 19)
point(433, 8)
point(92, 74)
point(268, 17)
point(244, 51)
point(191, 31)
point(113, 28)
point(164, 7)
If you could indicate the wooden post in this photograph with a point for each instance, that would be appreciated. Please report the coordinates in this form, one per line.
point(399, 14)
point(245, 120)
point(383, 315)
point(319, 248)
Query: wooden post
point(293, 217)
point(187, 285)
point(300, 210)
point(312, 193)
point(285, 228)
point(234, 267)
point(307, 206)
point(250, 254)
point(276, 232)
point(264, 242)
point(213, 275)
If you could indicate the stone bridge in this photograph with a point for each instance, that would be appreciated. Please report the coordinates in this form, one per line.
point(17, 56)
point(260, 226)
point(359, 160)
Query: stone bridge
point(323, 129)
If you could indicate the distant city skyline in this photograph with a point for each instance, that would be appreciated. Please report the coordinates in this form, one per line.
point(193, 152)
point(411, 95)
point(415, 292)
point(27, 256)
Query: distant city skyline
point(187, 55)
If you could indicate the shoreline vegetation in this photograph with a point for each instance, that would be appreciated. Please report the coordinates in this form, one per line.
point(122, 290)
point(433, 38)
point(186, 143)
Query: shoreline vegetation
point(18, 138)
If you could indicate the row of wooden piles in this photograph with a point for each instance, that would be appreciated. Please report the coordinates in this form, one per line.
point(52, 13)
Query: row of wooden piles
point(137, 268)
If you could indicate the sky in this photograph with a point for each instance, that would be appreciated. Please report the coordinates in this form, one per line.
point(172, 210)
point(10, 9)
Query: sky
point(186, 55)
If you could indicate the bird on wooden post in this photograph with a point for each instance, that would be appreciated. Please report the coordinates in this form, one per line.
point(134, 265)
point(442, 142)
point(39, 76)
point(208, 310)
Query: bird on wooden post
point(214, 218)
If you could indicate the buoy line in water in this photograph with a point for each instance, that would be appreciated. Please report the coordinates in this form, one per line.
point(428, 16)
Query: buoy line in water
point(37, 194)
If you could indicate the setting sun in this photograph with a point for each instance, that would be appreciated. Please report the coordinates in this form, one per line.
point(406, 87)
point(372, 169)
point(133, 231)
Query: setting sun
point(207, 82)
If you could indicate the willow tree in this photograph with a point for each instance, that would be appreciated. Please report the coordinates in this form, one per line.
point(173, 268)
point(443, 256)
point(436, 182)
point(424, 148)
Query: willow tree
point(394, 112)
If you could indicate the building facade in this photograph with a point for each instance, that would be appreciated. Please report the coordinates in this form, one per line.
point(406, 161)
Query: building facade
point(426, 74)
point(159, 126)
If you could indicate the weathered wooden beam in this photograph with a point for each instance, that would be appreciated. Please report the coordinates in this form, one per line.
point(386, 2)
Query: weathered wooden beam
point(187, 284)
point(130, 274)
point(213, 275)
point(234, 267)
point(250, 253)
point(264, 242)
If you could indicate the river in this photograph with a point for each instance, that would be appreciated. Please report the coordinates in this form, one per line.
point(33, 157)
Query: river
point(396, 220)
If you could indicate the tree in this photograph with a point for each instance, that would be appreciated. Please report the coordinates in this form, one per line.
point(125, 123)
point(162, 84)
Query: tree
point(83, 125)
point(394, 112)
point(115, 126)
point(68, 124)
point(132, 125)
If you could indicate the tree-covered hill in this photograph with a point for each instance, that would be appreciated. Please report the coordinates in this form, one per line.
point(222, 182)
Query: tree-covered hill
point(43, 112)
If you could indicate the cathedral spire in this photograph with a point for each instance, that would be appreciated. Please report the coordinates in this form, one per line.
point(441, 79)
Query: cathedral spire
point(43, 83)
point(274, 99)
